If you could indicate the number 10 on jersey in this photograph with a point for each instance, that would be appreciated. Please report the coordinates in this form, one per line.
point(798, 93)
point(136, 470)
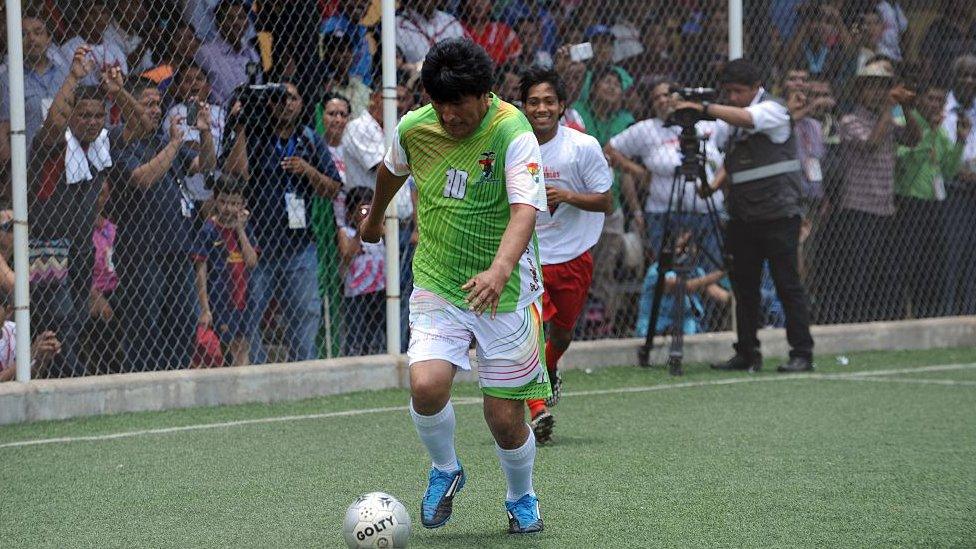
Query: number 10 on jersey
point(456, 184)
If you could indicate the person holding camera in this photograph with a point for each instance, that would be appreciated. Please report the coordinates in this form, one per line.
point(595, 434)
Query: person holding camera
point(761, 177)
point(154, 211)
point(286, 163)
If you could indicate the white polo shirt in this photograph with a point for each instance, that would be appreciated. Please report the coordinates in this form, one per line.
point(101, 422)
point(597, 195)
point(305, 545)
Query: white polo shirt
point(768, 117)
point(363, 150)
point(571, 160)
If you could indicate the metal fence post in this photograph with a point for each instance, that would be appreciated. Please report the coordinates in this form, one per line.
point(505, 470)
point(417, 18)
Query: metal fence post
point(735, 29)
point(392, 233)
point(18, 176)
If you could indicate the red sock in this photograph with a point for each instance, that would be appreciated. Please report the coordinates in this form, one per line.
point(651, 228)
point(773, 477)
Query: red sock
point(536, 407)
point(552, 356)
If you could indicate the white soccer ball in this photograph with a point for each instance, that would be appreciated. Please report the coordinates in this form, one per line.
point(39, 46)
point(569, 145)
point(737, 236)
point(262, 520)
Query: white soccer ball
point(376, 520)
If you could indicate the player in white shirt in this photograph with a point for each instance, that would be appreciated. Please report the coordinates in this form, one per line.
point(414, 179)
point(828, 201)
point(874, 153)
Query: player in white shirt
point(578, 181)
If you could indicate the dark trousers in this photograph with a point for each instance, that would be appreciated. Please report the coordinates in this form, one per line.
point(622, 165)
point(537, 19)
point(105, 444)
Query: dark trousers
point(62, 307)
point(960, 257)
point(364, 317)
point(921, 256)
point(862, 267)
point(406, 281)
point(775, 241)
point(156, 309)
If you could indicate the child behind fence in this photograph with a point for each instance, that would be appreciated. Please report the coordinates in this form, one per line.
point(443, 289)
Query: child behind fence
point(224, 255)
point(364, 274)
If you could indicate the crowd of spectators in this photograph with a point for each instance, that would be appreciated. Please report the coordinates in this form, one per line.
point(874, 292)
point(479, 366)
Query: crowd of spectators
point(174, 223)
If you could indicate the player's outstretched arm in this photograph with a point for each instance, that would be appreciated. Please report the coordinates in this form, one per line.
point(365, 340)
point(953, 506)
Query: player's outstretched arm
point(387, 185)
point(485, 288)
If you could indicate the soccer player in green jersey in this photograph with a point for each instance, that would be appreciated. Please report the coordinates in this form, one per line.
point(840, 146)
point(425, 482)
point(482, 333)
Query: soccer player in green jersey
point(477, 167)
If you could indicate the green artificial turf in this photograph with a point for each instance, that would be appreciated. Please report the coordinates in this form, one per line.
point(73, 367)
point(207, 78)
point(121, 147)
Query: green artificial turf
point(779, 463)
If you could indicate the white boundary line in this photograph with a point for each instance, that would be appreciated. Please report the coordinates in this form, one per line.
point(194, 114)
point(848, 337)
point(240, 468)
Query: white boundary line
point(852, 376)
point(918, 381)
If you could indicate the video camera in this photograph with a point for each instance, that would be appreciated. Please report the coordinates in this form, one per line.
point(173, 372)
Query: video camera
point(689, 117)
point(258, 103)
point(690, 144)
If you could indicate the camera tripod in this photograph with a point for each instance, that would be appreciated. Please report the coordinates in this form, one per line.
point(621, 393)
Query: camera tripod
point(670, 257)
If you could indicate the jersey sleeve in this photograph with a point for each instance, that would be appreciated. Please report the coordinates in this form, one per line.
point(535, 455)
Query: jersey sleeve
point(202, 241)
point(523, 172)
point(594, 168)
point(396, 157)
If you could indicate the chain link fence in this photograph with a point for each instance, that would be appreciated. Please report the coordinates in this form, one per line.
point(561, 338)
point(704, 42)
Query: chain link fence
point(180, 218)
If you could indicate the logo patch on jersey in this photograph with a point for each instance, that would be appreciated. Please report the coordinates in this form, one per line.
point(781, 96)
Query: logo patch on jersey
point(487, 164)
point(533, 168)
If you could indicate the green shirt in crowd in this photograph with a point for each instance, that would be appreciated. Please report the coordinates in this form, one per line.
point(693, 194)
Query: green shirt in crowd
point(921, 171)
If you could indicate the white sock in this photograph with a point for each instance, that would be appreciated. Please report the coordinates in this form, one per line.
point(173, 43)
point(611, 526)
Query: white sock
point(517, 465)
point(437, 434)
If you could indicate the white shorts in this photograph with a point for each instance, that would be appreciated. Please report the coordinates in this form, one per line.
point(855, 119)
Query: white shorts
point(510, 364)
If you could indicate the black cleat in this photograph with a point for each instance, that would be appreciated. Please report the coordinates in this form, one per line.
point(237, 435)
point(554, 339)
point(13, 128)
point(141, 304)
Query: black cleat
point(556, 383)
point(796, 364)
point(542, 425)
point(741, 363)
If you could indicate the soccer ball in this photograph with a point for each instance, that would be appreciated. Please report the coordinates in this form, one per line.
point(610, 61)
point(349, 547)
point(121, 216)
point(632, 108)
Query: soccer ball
point(376, 520)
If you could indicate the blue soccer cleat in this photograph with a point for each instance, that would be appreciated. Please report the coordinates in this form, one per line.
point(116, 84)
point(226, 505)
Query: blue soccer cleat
point(435, 509)
point(523, 515)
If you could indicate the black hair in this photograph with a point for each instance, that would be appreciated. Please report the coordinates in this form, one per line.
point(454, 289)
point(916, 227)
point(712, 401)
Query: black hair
point(456, 68)
point(179, 74)
point(139, 84)
point(220, 10)
point(338, 42)
point(88, 93)
point(355, 197)
point(225, 184)
point(31, 12)
point(329, 96)
point(536, 75)
point(740, 71)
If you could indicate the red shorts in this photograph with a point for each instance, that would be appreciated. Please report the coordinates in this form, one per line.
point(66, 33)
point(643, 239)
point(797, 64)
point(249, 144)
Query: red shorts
point(567, 285)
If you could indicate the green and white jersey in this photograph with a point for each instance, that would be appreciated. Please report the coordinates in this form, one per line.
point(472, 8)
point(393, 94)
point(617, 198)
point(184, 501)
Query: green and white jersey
point(464, 191)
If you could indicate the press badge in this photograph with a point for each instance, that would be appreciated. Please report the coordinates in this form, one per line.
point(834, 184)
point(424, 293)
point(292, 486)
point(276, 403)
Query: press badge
point(186, 207)
point(186, 203)
point(811, 168)
point(295, 205)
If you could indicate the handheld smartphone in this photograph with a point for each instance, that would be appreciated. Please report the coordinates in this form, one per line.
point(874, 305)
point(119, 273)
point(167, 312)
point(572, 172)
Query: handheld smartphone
point(581, 52)
point(192, 109)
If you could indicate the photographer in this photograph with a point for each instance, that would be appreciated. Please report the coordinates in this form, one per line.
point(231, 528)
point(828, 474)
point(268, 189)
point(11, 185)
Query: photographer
point(763, 192)
point(286, 163)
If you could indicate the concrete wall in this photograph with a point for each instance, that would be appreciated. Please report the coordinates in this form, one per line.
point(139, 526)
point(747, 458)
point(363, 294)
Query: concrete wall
point(67, 398)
